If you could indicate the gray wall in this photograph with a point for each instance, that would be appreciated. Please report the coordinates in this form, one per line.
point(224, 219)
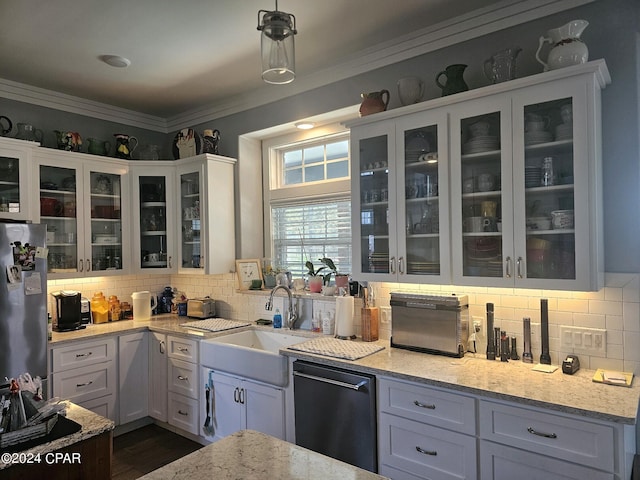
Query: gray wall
point(612, 34)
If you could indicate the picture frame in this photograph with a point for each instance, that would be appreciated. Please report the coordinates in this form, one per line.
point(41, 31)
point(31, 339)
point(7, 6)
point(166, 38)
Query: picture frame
point(246, 271)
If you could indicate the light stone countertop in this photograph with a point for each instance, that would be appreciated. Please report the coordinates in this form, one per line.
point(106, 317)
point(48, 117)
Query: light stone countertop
point(513, 381)
point(250, 455)
point(92, 425)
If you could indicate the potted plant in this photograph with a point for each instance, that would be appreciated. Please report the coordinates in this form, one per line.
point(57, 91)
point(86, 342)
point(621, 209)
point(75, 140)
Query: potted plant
point(342, 279)
point(269, 276)
point(315, 281)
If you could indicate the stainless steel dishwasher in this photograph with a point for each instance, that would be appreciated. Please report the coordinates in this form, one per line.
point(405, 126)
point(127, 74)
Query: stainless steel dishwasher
point(335, 412)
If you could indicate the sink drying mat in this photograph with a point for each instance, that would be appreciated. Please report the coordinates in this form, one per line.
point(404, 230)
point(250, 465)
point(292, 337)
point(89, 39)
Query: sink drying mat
point(334, 347)
point(214, 324)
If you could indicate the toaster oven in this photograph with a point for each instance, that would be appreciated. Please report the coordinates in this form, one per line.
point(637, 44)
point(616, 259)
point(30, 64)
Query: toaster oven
point(430, 323)
point(201, 307)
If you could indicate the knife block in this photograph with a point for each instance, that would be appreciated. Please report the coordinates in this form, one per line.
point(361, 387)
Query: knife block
point(369, 319)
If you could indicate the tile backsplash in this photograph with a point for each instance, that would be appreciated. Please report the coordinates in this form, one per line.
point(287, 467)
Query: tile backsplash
point(615, 308)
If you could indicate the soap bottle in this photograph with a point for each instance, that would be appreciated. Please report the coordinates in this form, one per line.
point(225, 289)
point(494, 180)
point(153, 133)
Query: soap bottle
point(277, 319)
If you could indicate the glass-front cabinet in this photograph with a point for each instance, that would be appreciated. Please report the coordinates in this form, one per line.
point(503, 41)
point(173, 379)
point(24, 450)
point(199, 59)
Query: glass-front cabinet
point(500, 186)
point(86, 209)
point(15, 168)
point(523, 165)
point(205, 214)
point(154, 219)
point(401, 229)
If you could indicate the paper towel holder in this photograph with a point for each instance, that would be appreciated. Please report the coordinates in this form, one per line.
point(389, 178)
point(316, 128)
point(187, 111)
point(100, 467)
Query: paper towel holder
point(339, 321)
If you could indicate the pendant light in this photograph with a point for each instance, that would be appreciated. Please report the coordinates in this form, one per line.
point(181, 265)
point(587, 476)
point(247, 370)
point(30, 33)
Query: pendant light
point(277, 46)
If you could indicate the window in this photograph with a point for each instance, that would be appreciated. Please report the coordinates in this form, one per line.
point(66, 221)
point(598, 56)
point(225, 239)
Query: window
point(315, 163)
point(307, 202)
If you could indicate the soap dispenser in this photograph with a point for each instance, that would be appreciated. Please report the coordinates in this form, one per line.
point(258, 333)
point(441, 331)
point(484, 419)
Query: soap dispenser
point(277, 319)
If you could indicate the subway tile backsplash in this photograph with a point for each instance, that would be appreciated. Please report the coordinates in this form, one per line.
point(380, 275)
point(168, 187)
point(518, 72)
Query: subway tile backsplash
point(615, 308)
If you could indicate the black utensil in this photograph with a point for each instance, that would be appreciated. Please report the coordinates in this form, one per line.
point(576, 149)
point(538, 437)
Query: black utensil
point(527, 357)
point(491, 348)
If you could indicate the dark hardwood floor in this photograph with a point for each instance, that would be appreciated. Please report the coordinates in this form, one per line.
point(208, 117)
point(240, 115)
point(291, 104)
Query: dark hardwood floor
point(141, 451)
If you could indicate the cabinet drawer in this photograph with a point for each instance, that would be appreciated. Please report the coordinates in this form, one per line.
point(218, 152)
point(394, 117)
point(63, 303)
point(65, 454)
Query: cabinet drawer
point(183, 348)
point(81, 354)
point(571, 439)
point(427, 405)
point(183, 413)
point(498, 462)
point(104, 406)
point(183, 378)
point(85, 383)
point(426, 451)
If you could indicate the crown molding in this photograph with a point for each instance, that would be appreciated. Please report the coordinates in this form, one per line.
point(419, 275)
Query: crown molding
point(81, 106)
point(481, 22)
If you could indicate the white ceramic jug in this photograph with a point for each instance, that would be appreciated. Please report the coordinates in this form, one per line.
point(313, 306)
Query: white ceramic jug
point(567, 49)
point(143, 303)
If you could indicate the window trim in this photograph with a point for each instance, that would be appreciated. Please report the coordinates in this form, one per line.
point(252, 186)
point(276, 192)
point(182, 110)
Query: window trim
point(294, 193)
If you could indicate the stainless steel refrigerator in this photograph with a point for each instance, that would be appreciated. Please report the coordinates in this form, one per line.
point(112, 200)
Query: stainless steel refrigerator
point(23, 301)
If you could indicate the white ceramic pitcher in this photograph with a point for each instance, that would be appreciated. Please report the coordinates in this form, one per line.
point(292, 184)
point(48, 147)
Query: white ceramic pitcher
point(567, 49)
point(143, 303)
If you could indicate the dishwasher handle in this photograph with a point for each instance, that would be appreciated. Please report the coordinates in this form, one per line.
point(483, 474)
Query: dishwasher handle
point(338, 383)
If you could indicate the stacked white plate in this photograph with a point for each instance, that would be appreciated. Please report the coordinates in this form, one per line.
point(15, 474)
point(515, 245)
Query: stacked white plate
point(564, 131)
point(532, 176)
point(484, 143)
point(537, 136)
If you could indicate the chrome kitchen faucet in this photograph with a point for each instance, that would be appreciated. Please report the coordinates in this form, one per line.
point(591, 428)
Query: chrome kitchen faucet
point(292, 315)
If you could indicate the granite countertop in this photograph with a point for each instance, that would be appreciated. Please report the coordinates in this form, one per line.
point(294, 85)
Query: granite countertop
point(248, 454)
point(513, 381)
point(92, 425)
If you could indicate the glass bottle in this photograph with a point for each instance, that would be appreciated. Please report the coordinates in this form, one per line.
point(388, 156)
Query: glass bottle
point(546, 179)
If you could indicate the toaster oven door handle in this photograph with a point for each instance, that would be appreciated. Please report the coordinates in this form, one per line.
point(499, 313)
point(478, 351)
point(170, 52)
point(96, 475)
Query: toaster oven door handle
point(428, 306)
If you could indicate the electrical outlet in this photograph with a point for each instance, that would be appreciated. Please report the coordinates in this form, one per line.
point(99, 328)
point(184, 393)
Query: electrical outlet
point(477, 324)
point(385, 314)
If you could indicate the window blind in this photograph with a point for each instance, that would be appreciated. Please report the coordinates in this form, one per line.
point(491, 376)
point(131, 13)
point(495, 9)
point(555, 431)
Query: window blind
point(310, 231)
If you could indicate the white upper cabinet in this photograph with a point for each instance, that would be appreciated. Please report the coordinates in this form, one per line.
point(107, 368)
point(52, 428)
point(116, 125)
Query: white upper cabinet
point(499, 186)
point(15, 172)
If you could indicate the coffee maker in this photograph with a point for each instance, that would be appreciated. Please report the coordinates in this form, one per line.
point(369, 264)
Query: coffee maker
point(68, 311)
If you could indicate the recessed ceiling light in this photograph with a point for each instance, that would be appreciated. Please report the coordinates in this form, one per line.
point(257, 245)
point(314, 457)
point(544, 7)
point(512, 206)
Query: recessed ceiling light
point(115, 61)
point(305, 125)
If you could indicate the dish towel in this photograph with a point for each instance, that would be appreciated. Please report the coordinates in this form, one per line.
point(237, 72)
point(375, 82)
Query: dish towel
point(214, 324)
point(333, 347)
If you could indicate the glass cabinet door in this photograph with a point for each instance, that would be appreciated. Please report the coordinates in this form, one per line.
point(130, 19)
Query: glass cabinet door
point(59, 211)
point(15, 174)
point(482, 183)
point(421, 202)
point(191, 244)
point(153, 221)
point(372, 170)
point(106, 221)
point(549, 190)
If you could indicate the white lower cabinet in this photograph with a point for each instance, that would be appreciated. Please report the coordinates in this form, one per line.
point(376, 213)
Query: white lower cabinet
point(86, 373)
point(539, 444)
point(133, 378)
point(434, 433)
point(182, 383)
point(239, 404)
point(158, 367)
point(412, 444)
point(502, 462)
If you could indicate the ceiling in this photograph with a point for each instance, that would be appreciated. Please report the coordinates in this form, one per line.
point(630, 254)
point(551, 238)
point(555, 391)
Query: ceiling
point(185, 54)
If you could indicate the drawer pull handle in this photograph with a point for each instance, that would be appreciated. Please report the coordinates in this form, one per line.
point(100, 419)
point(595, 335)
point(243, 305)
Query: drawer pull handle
point(540, 434)
point(80, 355)
point(184, 379)
point(183, 349)
point(422, 405)
point(78, 385)
point(186, 414)
point(433, 453)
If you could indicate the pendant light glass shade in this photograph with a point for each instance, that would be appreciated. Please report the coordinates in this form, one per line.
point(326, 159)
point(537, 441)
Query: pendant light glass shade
point(277, 46)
